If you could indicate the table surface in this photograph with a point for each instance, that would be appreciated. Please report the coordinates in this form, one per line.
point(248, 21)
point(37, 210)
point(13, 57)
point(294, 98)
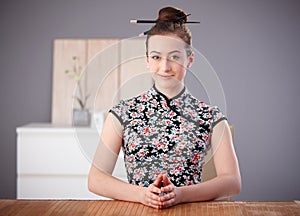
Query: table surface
point(113, 207)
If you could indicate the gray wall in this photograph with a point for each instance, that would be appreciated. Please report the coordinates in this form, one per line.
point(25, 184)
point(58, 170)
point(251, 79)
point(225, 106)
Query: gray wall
point(252, 45)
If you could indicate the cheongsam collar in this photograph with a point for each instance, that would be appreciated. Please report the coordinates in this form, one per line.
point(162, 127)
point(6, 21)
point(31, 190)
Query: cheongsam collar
point(177, 97)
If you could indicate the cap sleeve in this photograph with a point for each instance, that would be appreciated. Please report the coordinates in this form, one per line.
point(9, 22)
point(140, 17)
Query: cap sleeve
point(217, 116)
point(119, 111)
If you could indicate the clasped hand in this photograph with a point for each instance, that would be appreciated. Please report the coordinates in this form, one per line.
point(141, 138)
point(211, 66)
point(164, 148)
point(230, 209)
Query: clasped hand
point(160, 197)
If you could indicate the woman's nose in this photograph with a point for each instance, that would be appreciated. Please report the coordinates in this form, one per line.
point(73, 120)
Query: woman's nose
point(165, 65)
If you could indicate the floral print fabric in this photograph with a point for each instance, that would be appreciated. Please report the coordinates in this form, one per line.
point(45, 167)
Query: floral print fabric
point(165, 135)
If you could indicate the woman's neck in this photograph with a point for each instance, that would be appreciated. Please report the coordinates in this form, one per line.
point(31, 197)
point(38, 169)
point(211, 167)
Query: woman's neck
point(170, 92)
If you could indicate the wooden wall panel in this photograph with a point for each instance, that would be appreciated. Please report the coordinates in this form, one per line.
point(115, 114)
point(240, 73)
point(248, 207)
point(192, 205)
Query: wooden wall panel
point(62, 86)
point(103, 73)
point(134, 75)
point(112, 69)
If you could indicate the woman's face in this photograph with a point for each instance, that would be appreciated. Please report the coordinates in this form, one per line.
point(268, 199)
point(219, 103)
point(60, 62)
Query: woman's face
point(167, 60)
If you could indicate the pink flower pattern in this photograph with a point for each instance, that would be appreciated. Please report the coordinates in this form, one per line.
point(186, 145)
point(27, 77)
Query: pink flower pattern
point(165, 135)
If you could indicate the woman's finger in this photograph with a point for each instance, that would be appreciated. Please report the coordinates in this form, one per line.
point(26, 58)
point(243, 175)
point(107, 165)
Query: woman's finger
point(168, 203)
point(166, 180)
point(154, 189)
point(153, 196)
point(153, 205)
point(153, 200)
point(168, 189)
point(168, 185)
point(158, 181)
point(167, 197)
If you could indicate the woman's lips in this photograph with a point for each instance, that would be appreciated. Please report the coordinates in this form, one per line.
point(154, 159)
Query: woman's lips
point(165, 76)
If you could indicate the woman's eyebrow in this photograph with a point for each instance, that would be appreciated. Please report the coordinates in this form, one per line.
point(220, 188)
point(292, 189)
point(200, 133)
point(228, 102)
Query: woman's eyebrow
point(155, 52)
point(174, 51)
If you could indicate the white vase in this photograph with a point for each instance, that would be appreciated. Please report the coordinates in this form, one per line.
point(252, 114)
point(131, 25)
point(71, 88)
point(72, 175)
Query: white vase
point(81, 117)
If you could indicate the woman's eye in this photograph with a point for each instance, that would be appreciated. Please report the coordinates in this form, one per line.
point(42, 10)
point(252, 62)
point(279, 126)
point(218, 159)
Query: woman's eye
point(174, 57)
point(155, 57)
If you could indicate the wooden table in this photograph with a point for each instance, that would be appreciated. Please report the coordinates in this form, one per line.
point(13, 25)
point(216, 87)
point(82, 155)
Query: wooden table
point(85, 207)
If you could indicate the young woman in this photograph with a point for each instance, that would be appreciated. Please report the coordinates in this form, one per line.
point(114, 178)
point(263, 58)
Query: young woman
point(165, 132)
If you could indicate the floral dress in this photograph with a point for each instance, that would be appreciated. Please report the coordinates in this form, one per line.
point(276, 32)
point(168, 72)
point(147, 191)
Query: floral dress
point(165, 135)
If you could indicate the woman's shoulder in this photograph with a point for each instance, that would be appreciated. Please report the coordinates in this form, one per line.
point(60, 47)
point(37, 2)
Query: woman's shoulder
point(212, 111)
point(200, 104)
point(135, 100)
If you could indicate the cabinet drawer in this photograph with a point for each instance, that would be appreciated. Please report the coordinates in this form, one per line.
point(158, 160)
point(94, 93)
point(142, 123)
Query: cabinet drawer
point(53, 162)
point(62, 153)
point(47, 153)
point(54, 187)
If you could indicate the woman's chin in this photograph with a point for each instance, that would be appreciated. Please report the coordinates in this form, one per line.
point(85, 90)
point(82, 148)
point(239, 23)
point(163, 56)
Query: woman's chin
point(167, 83)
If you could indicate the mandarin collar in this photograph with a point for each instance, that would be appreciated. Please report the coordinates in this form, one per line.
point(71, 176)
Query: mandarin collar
point(178, 96)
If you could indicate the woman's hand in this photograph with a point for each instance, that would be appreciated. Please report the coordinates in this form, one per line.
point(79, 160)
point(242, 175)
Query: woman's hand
point(150, 194)
point(159, 197)
point(171, 195)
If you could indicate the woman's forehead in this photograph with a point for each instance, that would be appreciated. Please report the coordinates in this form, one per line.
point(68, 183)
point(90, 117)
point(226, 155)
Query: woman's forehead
point(165, 43)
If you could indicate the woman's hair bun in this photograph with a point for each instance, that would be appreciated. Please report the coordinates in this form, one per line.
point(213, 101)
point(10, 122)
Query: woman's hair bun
point(171, 21)
point(171, 14)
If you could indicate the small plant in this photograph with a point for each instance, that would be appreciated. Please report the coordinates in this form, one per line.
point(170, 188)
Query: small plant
point(76, 74)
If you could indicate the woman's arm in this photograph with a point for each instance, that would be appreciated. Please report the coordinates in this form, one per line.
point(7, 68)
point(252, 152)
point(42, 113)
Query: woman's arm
point(228, 179)
point(100, 180)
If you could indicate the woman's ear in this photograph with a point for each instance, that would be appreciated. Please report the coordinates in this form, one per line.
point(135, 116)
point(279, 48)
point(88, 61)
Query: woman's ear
point(190, 60)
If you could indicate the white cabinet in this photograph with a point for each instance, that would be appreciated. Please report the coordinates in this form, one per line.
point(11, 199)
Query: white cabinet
point(53, 162)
